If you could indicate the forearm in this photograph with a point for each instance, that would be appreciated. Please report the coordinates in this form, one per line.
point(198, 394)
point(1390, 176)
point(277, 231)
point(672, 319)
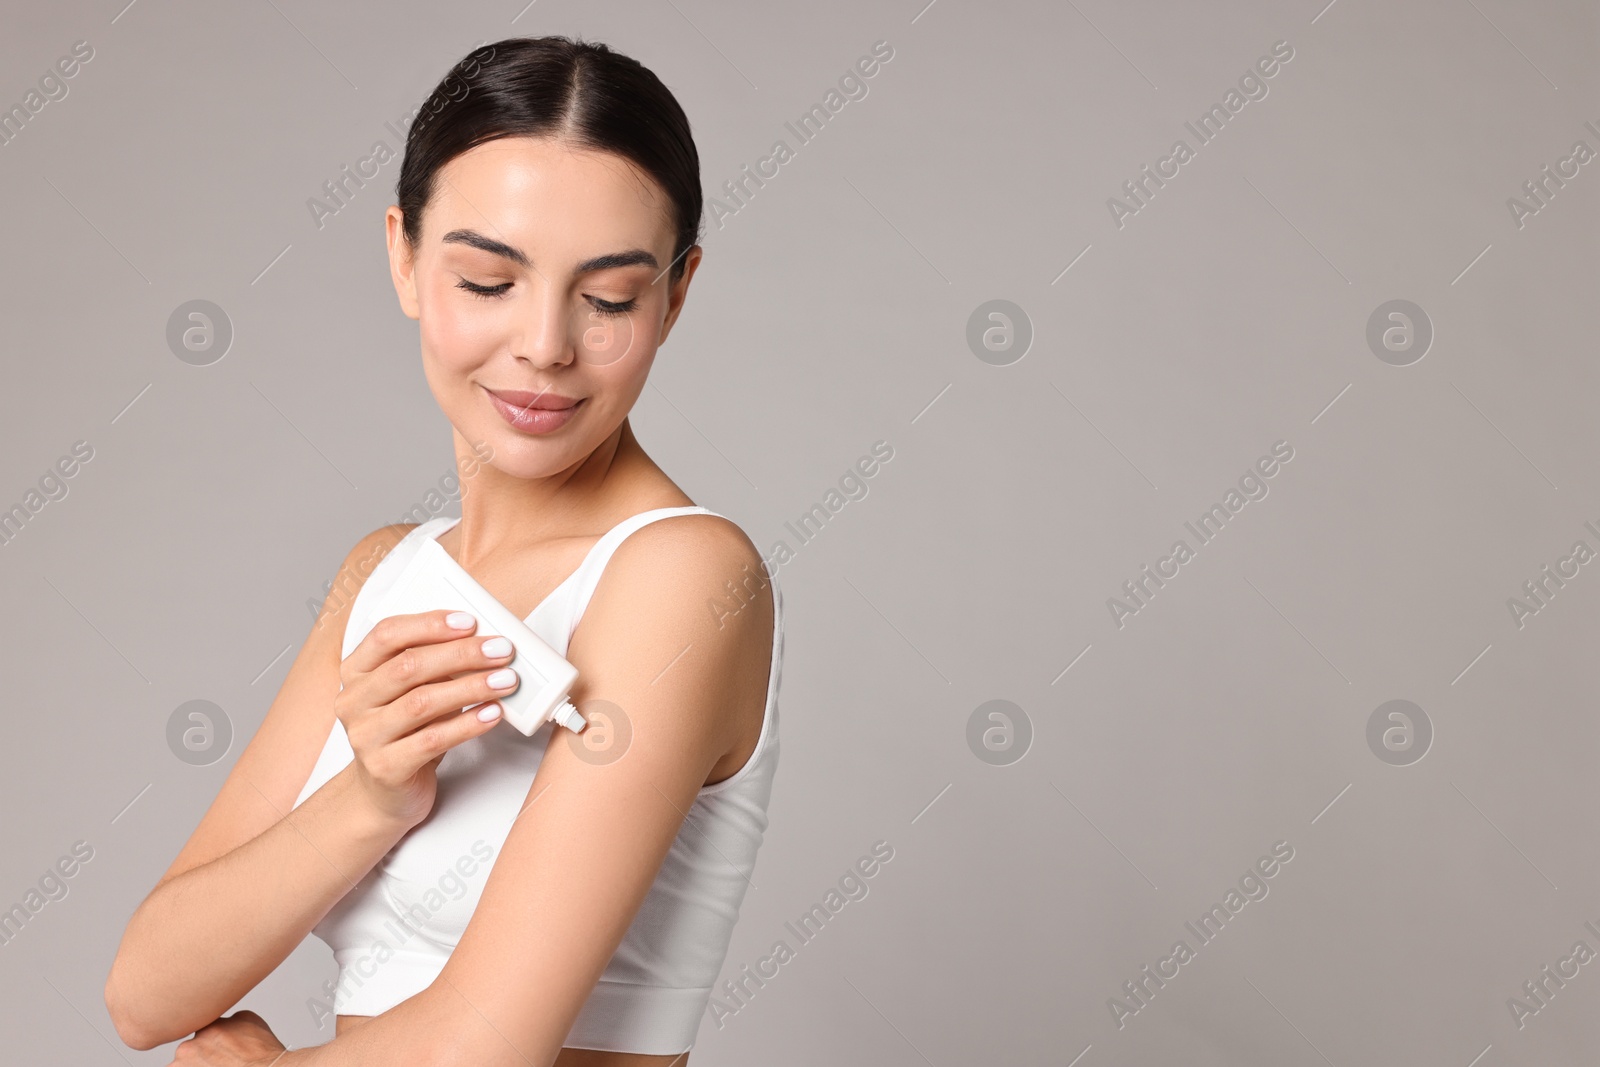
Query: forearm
point(204, 939)
point(435, 1028)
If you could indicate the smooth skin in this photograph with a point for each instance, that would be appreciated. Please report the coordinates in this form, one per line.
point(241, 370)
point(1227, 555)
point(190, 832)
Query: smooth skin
point(660, 638)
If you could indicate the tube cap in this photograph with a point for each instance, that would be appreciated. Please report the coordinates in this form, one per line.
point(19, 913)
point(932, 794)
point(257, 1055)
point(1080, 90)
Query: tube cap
point(569, 716)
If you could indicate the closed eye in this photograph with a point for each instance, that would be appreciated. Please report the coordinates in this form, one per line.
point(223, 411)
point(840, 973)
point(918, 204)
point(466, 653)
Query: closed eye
point(608, 307)
point(488, 292)
point(492, 292)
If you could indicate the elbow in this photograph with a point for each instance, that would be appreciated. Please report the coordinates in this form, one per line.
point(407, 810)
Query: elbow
point(135, 1031)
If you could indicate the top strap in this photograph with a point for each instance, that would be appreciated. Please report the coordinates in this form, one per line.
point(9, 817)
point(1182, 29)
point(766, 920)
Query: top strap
point(594, 564)
point(383, 574)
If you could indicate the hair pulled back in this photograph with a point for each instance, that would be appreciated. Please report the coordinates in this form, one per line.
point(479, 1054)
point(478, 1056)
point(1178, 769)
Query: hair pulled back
point(579, 92)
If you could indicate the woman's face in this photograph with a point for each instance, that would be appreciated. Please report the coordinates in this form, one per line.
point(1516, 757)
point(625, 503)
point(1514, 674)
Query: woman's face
point(541, 287)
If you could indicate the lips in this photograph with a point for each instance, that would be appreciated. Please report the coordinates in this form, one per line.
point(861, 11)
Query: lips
point(521, 398)
point(534, 413)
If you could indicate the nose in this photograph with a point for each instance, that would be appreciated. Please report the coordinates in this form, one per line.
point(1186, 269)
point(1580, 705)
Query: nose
point(544, 336)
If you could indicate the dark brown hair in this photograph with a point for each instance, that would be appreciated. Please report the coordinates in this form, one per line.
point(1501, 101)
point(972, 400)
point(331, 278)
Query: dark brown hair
point(580, 92)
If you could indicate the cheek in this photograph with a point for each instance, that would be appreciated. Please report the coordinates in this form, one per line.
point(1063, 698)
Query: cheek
point(621, 382)
point(610, 348)
point(454, 331)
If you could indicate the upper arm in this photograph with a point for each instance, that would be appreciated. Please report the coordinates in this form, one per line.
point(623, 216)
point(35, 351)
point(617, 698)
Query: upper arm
point(263, 784)
point(581, 857)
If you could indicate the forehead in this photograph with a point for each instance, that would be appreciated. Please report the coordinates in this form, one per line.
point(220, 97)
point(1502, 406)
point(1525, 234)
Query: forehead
point(538, 192)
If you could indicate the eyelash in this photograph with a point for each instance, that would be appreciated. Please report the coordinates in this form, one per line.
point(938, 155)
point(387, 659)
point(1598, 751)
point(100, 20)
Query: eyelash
point(494, 292)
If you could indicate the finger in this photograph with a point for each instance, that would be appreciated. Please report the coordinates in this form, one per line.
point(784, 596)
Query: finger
point(435, 738)
point(425, 704)
point(393, 633)
point(411, 667)
point(414, 666)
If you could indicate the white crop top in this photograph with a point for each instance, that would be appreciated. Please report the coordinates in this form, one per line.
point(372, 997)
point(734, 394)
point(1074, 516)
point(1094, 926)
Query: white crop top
point(392, 933)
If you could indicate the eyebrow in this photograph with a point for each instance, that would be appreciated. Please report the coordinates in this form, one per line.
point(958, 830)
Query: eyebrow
point(632, 257)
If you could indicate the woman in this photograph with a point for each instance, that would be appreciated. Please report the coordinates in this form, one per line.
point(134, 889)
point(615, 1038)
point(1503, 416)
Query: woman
point(493, 898)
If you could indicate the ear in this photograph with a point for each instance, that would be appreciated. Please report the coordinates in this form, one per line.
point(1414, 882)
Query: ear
point(402, 261)
point(680, 290)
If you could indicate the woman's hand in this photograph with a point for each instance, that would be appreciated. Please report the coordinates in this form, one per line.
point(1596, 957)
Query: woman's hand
point(242, 1039)
point(402, 708)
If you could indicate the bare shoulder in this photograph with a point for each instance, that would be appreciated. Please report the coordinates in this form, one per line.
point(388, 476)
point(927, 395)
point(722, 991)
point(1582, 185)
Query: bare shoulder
point(713, 538)
point(380, 541)
point(358, 565)
point(685, 603)
point(703, 565)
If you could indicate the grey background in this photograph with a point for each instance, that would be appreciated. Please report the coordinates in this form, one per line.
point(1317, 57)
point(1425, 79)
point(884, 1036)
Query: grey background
point(831, 312)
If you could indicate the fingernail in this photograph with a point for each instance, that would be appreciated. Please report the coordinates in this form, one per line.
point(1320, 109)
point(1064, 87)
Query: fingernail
point(489, 714)
point(496, 647)
point(459, 620)
point(504, 678)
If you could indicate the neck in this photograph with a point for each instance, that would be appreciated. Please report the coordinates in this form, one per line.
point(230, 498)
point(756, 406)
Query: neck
point(503, 511)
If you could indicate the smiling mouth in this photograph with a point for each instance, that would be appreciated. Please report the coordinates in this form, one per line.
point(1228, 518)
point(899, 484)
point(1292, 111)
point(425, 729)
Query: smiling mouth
point(541, 401)
point(534, 413)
